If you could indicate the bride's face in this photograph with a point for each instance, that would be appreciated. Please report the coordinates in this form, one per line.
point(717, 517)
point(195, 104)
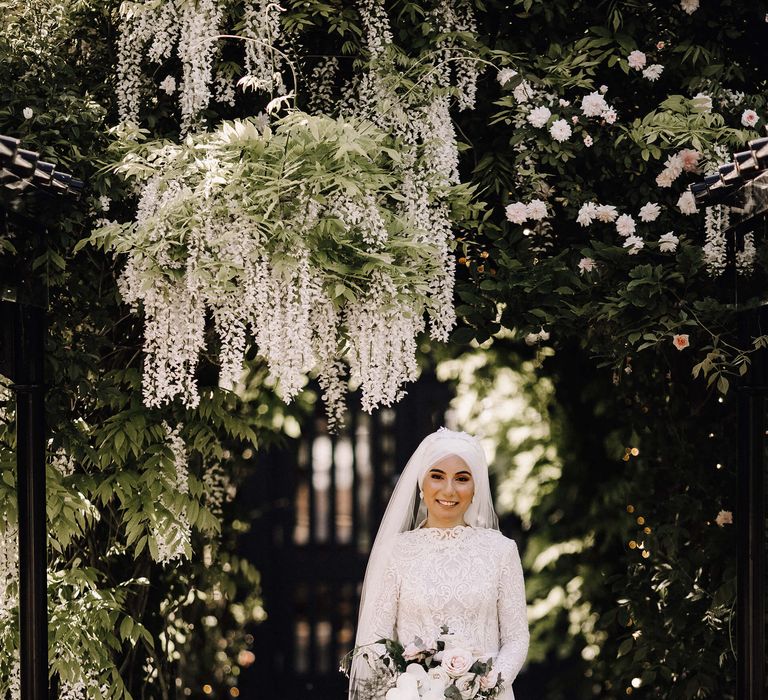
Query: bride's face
point(448, 490)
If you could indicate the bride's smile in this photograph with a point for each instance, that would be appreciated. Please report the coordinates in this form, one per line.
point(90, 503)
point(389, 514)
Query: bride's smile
point(448, 489)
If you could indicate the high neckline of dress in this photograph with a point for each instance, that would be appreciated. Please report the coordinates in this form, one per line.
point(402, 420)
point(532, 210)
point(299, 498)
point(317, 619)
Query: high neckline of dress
point(445, 533)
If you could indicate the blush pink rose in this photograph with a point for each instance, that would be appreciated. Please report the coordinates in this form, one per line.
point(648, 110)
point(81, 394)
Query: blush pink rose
point(690, 158)
point(457, 661)
point(412, 652)
point(489, 680)
point(681, 341)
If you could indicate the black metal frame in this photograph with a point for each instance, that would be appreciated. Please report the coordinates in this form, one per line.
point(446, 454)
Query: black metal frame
point(734, 185)
point(750, 512)
point(22, 353)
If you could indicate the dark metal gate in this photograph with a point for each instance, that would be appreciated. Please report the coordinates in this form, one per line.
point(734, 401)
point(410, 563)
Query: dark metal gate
point(317, 506)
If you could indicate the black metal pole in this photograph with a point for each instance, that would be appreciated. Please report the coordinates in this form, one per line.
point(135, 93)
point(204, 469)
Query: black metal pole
point(750, 516)
point(29, 347)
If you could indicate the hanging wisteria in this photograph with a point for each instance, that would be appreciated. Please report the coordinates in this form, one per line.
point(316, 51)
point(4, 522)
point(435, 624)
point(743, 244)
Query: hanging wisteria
point(149, 33)
point(301, 240)
point(247, 257)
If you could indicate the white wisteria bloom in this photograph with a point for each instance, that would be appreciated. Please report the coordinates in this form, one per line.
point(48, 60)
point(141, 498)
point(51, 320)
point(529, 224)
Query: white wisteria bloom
point(686, 203)
point(606, 213)
point(539, 117)
point(649, 212)
point(593, 105)
point(587, 213)
point(637, 60)
point(716, 221)
point(745, 258)
point(633, 244)
point(537, 210)
point(586, 265)
point(505, 75)
point(668, 242)
point(653, 72)
point(560, 130)
point(104, 202)
point(603, 89)
point(587, 140)
point(168, 84)
point(689, 6)
point(749, 118)
point(517, 212)
point(28, 112)
point(625, 225)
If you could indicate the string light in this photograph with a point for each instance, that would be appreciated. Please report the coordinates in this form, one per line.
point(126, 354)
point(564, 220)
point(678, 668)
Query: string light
point(207, 689)
point(640, 520)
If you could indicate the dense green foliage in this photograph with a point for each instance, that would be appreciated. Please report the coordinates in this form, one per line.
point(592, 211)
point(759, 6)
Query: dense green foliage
point(606, 614)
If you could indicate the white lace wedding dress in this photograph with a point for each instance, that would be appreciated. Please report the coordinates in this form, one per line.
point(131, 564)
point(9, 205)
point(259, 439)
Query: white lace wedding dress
point(467, 578)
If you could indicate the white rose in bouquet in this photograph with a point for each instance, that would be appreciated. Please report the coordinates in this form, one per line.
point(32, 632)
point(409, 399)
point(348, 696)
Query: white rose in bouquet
point(468, 686)
point(438, 679)
point(407, 688)
point(457, 661)
point(418, 672)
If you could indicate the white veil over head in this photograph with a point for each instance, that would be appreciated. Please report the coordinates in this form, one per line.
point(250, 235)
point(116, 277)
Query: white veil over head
point(406, 510)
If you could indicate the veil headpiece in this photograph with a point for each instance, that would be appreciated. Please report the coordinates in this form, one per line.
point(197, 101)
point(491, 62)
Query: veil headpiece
point(405, 511)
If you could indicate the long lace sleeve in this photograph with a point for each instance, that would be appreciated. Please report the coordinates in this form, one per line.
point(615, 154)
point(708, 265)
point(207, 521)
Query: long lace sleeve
point(513, 617)
point(383, 608)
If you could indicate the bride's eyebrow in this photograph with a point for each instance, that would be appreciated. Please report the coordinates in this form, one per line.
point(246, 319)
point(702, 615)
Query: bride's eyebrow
point(440, 471)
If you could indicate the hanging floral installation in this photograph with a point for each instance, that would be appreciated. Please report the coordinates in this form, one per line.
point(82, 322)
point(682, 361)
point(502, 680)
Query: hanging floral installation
point(329, 241)
point(305, 237)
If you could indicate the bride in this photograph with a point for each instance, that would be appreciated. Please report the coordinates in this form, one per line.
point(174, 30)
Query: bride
point(440, 559)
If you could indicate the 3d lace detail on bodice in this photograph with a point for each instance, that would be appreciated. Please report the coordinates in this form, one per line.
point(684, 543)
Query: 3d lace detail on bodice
point(469, 579)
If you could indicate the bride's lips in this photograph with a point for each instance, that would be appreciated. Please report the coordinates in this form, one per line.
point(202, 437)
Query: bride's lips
point(447, 504)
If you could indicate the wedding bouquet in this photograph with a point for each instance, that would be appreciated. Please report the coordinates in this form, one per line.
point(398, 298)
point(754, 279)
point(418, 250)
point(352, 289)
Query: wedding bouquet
point(425, 669)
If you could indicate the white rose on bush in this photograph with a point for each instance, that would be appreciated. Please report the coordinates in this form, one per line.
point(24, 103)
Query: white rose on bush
point(537, 210)
point(539, 117)
point(560, 130)
point(517, 212)
point(636, 60)
point(668, 242)
point(593, 105)
point(686, 203)
point(702, 103)
point(653, 72)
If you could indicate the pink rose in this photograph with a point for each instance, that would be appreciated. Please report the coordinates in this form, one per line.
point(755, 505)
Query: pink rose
point(749, 118)
point(412, 652)
point(724, 517)
point(690, 159)
point(457, 661)
point(489, 680)
point(681, 341)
